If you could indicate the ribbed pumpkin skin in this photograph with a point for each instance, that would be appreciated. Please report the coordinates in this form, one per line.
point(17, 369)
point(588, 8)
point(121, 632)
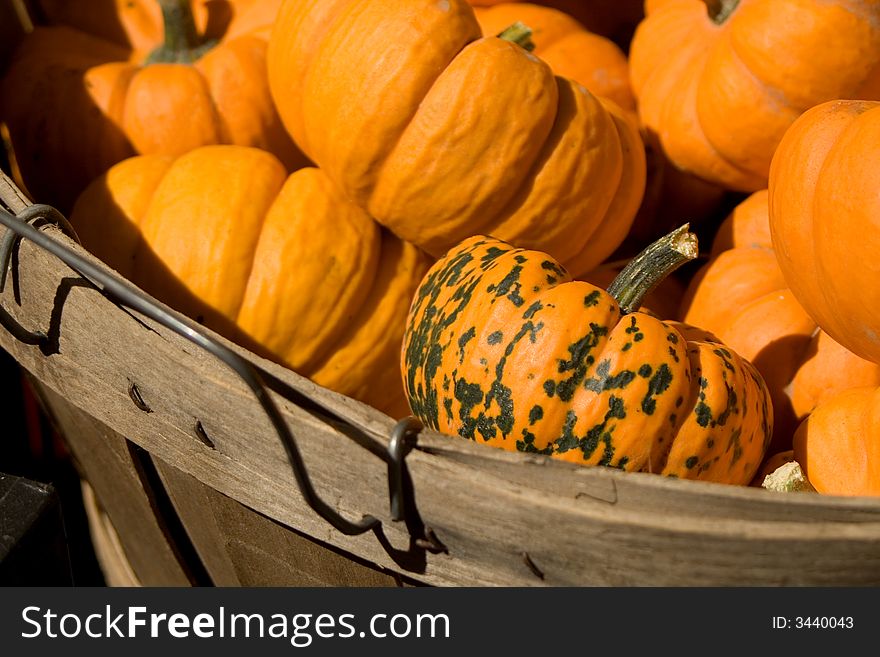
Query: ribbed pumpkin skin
point(824, 211)
point(720, 96)
point(837, 444)
point(503, 348)
point(76, 103)
point(741, 296)
point(282, 265)
point(571, 50)
point(441, 133)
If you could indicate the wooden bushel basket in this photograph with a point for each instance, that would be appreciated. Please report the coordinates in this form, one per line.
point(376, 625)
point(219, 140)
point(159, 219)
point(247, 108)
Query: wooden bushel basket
point(194, 477)
point(199, 487)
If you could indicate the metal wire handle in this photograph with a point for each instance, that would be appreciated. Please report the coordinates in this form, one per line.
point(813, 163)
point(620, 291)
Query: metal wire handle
point(124, 293)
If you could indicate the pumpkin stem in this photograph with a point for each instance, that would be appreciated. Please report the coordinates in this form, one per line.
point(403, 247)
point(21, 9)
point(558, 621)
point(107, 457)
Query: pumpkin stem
point(182, 44)
point(648, 269)
point(720, 10)
point(520, 34)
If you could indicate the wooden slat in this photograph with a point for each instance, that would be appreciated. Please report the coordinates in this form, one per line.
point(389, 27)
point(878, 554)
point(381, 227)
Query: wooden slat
point(577, 526)
point(240, 547)
point(105, 460)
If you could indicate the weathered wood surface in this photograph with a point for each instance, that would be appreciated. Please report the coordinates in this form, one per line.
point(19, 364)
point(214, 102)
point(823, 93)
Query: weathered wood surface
point(240, 547)
point(123, 494)
point(578, 526)
point(111, 556)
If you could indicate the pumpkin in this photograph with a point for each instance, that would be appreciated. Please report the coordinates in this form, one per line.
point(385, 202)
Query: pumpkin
point(503, 348)
point(441, 133)
point(280, 264)
point(720, 81)
point(823, 219)
point(837, 446)
point(75, 103)
point(614, 20)
point(741, 296)
point(571, 50)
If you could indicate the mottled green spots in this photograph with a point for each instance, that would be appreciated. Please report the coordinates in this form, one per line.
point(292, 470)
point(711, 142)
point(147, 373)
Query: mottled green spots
point(577, 363)
point(657, 385)
point(627, 346)
point(703, 413)
point(491, 255)
point(725, 356)
point(447, 404)
point(547, 265)
point(521, 259)
point(535, 414)
point(691, 462)
point(509, 287)
point(527, 444)
point(672, 337)
point(531, 310)
point(638, 337)
point(592, 299)
point(704, 382)
point(550, 387)
point(674, 354)
point(616, 408)
point(486, 427)
point(645, 371)
point(466, 337)
point(735, 445)
point(468, 394)
point(502, 395)
point(495, 337)
point(604, 381)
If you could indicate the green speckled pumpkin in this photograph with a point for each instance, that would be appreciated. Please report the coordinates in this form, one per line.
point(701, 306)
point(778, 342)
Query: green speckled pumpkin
point(503, 348)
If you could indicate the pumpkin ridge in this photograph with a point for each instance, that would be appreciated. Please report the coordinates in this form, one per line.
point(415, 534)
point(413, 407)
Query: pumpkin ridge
point(342, 21)
point(483, 210)
point(513, 37)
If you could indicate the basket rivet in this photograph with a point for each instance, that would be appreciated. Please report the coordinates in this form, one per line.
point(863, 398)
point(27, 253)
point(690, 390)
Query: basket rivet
point(138, 399)
point(527, 560)
point(203, 435)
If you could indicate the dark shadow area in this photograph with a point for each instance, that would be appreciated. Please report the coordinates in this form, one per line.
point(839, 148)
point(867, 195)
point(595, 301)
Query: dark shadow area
point(778, 362)
point(31, 448)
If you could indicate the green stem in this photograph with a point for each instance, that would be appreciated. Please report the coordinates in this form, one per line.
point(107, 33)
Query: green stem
point(648, 269)
point(182, 44)
point(520, 34)
point(720, 10)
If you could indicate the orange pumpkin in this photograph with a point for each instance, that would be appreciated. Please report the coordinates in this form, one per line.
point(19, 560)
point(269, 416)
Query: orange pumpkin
point(614, 20)
point(76, 103)
point(571, 50)
point(720, 81)
point(282, 265)
point(741, 296)
point(503, 348)
point(837, 445)
point(441, 133)
point(823, 219)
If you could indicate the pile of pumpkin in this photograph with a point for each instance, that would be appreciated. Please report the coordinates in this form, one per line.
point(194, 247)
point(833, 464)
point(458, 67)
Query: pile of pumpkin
point(425, 205)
